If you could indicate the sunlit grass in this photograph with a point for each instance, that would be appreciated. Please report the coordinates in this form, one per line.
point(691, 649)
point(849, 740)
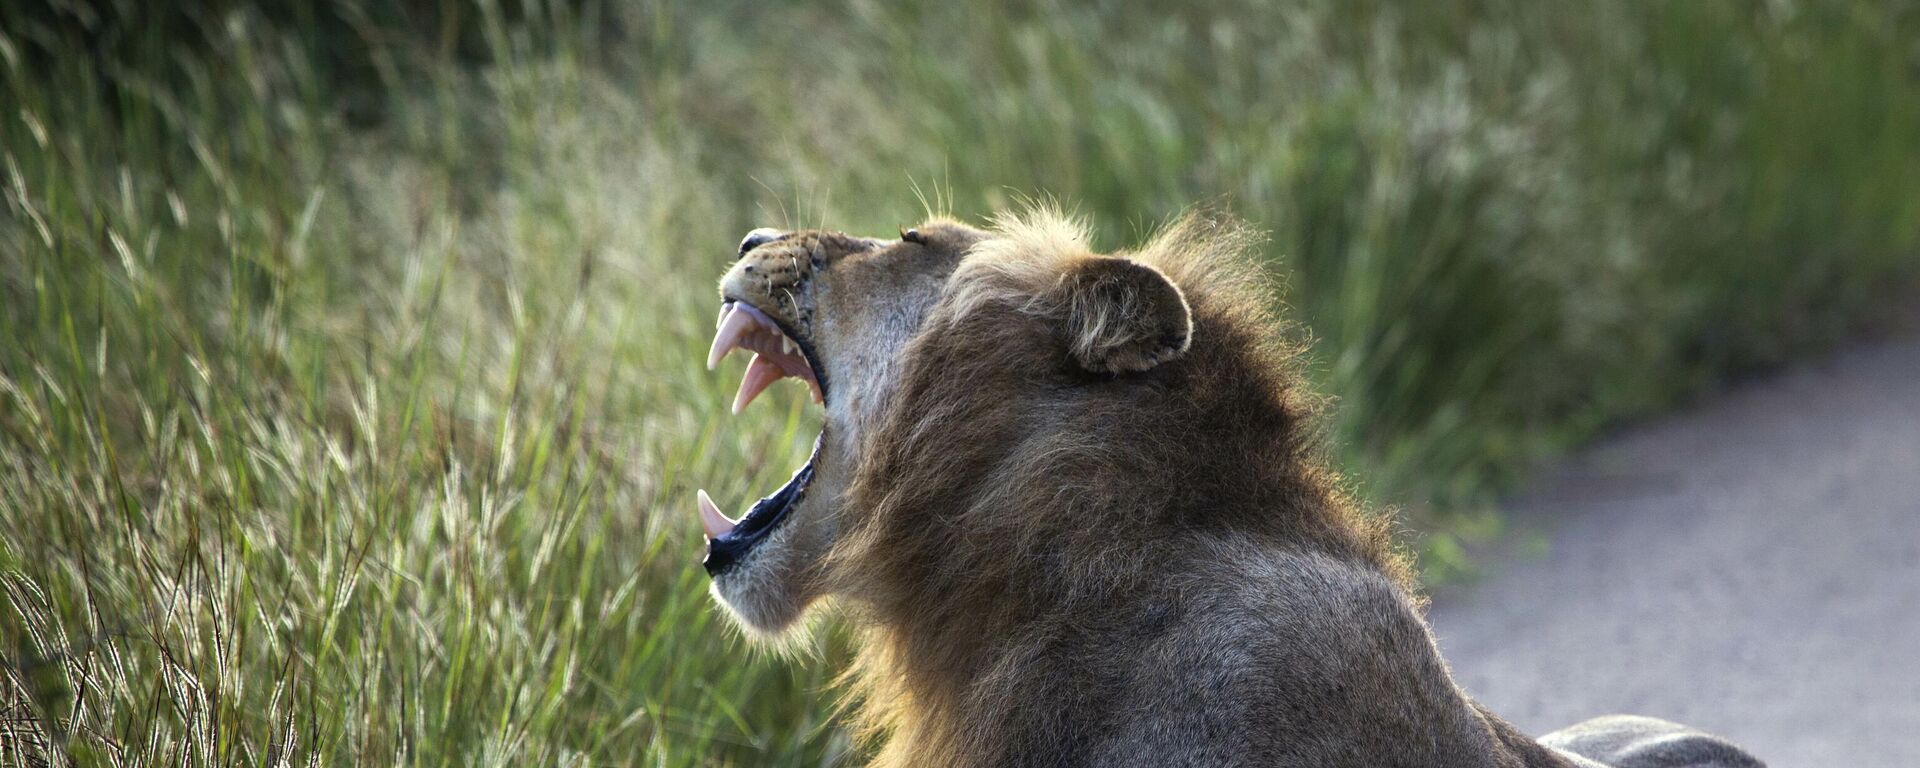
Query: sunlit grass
point(350, 396)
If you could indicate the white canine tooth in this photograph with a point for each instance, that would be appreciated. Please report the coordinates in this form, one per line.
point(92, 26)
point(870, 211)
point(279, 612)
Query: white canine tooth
point(786, 345)
point(712, 520)
point(727, 338)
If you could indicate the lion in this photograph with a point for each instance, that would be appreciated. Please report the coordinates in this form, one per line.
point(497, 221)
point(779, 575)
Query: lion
point(1075, 504)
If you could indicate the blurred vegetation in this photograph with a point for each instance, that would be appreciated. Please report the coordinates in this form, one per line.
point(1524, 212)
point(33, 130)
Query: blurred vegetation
point(349, 400)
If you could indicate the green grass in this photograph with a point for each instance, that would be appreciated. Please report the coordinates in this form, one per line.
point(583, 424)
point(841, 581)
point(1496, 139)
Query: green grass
point(350, 397)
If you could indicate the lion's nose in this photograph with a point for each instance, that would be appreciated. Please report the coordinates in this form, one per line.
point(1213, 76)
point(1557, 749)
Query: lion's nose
point(757, 238)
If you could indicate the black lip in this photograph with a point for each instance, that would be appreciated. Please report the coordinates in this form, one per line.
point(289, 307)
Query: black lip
point(734, 546)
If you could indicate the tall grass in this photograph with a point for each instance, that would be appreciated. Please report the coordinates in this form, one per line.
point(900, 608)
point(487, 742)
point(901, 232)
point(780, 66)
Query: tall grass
point(349, 396)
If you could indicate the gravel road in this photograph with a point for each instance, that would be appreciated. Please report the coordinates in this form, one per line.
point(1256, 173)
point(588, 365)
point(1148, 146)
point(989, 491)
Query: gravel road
point(1750, 567)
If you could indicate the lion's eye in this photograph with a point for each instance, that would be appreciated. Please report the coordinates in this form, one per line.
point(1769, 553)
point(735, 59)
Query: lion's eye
point(757, 238)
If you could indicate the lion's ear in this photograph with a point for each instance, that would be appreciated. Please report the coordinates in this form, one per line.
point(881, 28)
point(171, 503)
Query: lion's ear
point(1123, 316)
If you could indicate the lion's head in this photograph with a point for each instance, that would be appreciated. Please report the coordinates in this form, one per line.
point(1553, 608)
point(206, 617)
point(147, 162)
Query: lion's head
point(1004, 401)
point(835, 311)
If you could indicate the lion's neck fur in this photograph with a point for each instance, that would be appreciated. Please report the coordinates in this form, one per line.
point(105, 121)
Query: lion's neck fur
point(1027, 533)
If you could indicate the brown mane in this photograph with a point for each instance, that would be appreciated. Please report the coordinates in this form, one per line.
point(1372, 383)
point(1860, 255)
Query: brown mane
point(1010, 498)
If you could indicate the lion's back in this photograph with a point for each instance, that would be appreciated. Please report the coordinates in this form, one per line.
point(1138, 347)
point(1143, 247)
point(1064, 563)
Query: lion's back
point(1277, 658)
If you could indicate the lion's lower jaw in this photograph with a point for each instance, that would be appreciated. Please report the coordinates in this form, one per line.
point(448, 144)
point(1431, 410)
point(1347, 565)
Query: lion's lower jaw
point(766, 594)
point(764, 614)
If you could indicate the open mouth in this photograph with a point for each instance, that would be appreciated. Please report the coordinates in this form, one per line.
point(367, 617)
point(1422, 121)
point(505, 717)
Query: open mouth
point(777, 355)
